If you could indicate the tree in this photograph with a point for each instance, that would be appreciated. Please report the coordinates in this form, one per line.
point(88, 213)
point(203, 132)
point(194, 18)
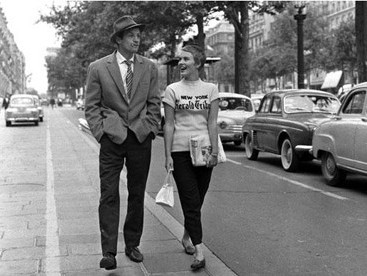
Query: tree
point(237, 12)
point(344, 54)
point(85, 30)
point(224, 69)
point(361, 37)
point(279, 55)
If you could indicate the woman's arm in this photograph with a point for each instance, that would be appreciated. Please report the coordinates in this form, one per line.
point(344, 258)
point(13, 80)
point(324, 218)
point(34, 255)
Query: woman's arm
point(168, 134)
point(213, 131)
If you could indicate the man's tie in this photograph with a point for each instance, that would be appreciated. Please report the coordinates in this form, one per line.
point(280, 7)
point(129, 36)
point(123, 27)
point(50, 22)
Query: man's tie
point(129, 78)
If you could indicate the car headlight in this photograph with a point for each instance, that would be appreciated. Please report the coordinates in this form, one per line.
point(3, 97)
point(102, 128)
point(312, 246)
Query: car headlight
point(311, 126)
point(223, 125)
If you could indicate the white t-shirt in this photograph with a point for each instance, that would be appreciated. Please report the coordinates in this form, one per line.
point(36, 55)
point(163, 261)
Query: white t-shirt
point(191, 102)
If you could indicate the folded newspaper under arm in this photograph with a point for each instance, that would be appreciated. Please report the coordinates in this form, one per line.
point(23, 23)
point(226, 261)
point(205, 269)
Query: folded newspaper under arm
point(200, 149)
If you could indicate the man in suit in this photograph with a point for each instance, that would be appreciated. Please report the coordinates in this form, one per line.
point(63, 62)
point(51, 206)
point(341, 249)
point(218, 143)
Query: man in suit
point(123, 112)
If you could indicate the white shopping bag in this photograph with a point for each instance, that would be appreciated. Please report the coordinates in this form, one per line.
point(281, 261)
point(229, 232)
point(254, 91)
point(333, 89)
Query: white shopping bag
point(165, 194)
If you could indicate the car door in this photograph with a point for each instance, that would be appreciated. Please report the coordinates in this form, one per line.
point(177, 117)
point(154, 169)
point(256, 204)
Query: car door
point(273, 125)
point(344, 134)
point(261, 125)
point(361, 138)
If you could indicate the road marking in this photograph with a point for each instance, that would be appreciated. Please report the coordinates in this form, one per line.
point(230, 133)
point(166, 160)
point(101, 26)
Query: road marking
point(294, 182)
point(52, 238)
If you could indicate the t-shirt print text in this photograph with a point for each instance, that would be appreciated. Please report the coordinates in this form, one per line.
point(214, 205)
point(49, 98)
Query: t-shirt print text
point(200, 102)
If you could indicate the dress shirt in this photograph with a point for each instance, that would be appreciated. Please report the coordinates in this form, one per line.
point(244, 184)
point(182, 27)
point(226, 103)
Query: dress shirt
point(123, 67)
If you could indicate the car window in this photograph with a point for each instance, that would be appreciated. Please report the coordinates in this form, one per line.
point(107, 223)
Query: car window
point(256, 103)
point(355, 102)
point(22, 101)
point(276, 105)
point(228, 103)
point(311, 104)
point(265, 105)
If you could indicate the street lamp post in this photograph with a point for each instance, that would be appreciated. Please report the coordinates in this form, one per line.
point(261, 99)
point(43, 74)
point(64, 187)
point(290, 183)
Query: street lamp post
point(300, 17)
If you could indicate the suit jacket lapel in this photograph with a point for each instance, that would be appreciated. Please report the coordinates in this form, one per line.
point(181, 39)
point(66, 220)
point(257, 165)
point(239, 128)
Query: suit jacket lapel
point(138, 71)
point(114, 70)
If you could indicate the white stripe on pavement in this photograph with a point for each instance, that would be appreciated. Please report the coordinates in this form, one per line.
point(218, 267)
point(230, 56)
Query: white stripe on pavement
point(52, 238)
point(294, 182)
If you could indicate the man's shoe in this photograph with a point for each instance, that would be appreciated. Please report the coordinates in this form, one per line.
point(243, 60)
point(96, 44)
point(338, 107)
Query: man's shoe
point(134, 254)
point(108, 262)
point(196, 265)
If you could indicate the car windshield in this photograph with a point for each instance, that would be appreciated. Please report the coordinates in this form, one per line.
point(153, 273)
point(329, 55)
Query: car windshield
point(21, 101)
point(228, 103)
point(311, 104)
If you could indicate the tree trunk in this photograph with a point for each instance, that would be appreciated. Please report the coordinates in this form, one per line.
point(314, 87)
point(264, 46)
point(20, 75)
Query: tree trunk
point(361, 39)
point(201, 34)
point(201, 39)
point(242, 72)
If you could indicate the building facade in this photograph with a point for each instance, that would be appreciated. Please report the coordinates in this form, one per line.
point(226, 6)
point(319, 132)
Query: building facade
point(12, 62)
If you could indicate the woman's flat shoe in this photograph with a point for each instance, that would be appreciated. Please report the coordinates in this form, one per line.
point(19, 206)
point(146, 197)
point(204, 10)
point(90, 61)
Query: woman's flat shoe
point(196, 265)
point(189, 248)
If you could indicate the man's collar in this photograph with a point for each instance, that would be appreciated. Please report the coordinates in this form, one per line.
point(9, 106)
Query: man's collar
point(120, 58)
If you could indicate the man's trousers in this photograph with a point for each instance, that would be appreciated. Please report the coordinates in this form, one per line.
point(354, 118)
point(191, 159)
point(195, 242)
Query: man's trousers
point(112, 157)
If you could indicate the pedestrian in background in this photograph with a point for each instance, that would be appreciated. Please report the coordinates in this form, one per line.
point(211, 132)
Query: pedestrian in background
point(123, 112)
point(52, 102)
point(191, 108)
point(6, 101)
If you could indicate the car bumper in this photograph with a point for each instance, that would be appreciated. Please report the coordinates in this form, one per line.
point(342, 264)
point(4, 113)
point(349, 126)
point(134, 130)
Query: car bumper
point(303, 148)
point(23, 119)
point(230, 137)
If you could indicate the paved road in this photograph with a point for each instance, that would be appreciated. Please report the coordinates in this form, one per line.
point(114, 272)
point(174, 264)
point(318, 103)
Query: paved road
point(260, 220)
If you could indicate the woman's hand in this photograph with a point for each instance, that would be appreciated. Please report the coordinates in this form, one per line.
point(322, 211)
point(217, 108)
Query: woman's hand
point(169, 164)
point(212, 161)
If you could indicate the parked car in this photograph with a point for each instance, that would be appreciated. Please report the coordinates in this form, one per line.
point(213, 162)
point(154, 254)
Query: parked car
point(39, 107)
point(80, 104)
point(340, 143)
point(22, 108)
point(234, 109)
point(285, 122)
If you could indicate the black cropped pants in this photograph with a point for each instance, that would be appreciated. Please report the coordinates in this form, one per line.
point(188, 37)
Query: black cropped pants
point(192, 184)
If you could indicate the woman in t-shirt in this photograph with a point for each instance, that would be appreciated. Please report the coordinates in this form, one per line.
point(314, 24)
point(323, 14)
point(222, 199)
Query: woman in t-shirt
point(191, 109)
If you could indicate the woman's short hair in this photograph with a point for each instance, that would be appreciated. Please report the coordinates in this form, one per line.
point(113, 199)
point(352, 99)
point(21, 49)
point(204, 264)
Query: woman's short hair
point(197, 52)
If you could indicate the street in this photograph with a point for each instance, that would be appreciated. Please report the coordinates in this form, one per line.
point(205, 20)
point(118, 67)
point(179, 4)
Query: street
point(257, 218)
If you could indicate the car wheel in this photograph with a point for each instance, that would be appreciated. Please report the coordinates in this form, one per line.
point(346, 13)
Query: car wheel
point(288, 156)
point(41, 119)
point(8, 123)
point(333, 175)
point(237, 143)
point(36, 123)
point(251, 153)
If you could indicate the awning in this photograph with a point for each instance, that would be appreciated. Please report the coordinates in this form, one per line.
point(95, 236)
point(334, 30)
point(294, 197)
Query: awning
point(332, 80)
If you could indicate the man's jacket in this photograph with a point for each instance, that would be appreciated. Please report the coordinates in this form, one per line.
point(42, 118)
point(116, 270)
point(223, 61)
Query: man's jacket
point(107, 108)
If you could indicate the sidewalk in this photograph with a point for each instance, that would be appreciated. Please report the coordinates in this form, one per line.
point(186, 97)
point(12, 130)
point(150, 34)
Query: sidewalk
point(49, 192)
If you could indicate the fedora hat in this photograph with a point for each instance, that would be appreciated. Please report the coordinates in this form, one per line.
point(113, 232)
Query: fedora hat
point(124, 23)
